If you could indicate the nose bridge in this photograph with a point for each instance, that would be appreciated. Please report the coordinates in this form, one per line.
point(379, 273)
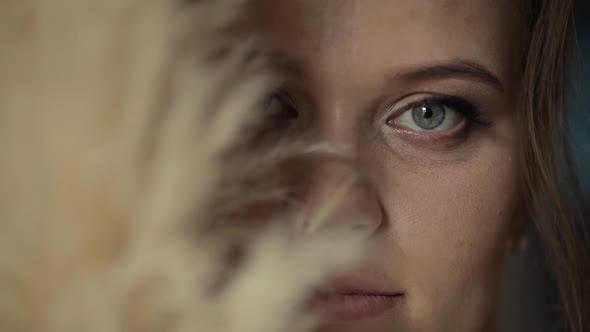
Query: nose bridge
point(339, 181)
point(339, 106)
point(338, 184)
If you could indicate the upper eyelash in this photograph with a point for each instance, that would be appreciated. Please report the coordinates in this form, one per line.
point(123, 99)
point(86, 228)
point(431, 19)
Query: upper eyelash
point(470, 111)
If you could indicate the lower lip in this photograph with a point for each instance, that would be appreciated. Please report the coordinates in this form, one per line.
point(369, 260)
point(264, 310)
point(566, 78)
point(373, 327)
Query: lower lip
point(350, 307)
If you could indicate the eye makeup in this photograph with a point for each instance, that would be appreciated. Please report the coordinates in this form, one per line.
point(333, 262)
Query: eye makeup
point(456, 117)
point(468, 110)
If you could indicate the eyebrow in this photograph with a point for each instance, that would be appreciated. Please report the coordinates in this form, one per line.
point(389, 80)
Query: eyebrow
point(466, 69)
point(448, 70)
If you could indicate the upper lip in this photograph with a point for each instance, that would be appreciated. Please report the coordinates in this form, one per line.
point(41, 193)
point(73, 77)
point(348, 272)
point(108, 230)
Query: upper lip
point(355, 284)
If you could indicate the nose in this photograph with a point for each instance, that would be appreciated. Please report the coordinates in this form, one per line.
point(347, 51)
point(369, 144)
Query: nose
point(338, 193)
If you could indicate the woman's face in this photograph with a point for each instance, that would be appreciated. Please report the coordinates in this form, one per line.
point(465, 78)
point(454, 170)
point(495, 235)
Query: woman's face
point(423, 94)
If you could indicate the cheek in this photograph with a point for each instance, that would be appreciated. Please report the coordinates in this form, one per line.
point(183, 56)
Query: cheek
point(456, 207)
point(450, 222)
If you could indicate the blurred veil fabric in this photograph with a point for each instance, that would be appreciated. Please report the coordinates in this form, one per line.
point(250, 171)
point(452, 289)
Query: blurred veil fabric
point(115, 121)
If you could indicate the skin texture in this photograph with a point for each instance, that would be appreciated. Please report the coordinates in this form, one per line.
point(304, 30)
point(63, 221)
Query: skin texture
point(441, 207)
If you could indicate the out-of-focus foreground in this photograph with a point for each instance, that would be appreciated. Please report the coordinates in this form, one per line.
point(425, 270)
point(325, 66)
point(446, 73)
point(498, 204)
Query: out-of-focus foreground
point(113, 118)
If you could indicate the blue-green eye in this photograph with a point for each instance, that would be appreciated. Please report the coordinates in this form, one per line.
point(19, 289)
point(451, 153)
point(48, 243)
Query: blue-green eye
point(437, 113)
point(429, 117)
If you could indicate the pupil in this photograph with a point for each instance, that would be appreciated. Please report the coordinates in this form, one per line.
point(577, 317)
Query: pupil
point(427, 112)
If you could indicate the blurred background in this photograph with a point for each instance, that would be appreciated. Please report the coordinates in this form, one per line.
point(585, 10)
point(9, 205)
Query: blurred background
point(580, 95)
point(529, 300)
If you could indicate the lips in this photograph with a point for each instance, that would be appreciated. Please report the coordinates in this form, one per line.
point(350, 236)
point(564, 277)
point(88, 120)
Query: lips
point(353, 298)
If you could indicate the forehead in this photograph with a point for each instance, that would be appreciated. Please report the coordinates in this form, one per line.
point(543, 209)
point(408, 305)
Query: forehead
point(394, 32)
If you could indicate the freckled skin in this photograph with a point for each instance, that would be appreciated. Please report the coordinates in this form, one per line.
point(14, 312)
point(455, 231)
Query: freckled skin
point(441, 210)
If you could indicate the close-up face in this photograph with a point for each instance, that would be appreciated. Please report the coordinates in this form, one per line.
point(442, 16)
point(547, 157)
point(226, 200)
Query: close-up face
point(423, 96)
